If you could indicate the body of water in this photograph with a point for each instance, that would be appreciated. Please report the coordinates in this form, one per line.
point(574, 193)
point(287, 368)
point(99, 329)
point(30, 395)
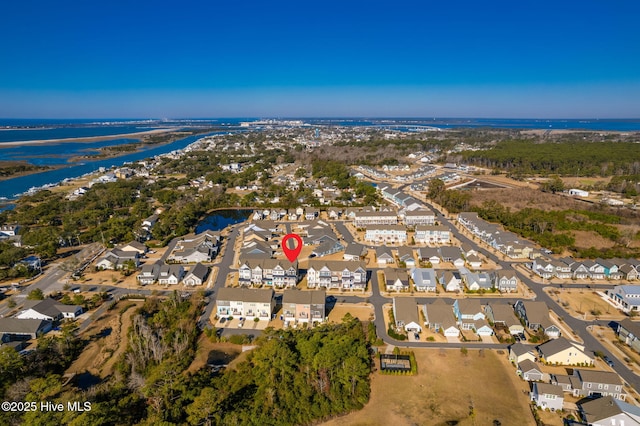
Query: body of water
point(221, 219)
point(10, 187)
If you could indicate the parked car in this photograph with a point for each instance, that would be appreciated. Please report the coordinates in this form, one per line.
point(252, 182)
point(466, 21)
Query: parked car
point(417, 336)
point(608, 361)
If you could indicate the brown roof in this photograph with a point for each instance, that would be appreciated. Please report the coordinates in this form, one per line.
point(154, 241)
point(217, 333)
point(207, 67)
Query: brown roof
point(300, 297)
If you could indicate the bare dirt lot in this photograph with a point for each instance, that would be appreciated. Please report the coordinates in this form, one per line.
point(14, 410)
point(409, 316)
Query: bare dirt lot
point(579, 303)
point(450, 388)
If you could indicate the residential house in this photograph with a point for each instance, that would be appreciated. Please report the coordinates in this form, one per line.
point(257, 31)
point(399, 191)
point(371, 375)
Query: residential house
point(561, 351)
point(292, 215)
point(519, 352)
point(311, 213)
point(502, 315)
point(450, 280)
point(531, 371)
point(48, 310)
point(424, 279)
point(170, 274)
point(384, 255)
point(467, 312)
point(328, 248)
point(608, 411)
point(629, 332)
point(355, 251)
point(628, 272)
point(625, 297)
point(149, 273)
point(405, 313)
point(379, 234)
point(396, 279)
point(405, 255)
point(505, 280)
point(595, 268)
point(200, 248)
point(149, 222)
point(196, 275)
point(334, 213)
point(136, 246)
point(21, 329)
point(429, 254)
point(245, 302)
point(594, 383)
point(432, 234)
point(336, 274)
point(453, 255)
point(118, 259)
point(476, 281)
point(303, 306)
point(474, 261)
point(536, 317)
point(420, 216)
point(547, 396)
point(439, 318)
point(468, 250)
point(271, 272)
point(364, 219)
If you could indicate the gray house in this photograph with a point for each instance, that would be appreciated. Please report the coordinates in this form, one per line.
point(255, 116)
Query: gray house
point(197, 275)
point(547, 396)
point(629, 332)
point(531, 371)
point(609, 411)
point(22, 329)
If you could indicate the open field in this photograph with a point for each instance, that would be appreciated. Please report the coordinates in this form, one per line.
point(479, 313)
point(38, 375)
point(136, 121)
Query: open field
point(583, 301)
point(450, 388)
point(362, 311)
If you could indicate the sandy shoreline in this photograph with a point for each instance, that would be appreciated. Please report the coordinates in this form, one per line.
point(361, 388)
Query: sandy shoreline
point(85, 139)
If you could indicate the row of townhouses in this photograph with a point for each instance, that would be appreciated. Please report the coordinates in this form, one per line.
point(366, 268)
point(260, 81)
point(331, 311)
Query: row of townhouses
point(427, 279)
point(297, 306)
point(173, 274)
point(598, 269)
point(504, 241)
point(469, 314)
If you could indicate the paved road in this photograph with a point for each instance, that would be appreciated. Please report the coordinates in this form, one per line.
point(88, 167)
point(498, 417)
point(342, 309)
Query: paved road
point(577, 325)
point(224, 267)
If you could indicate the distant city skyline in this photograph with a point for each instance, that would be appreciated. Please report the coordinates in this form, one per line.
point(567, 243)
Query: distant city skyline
point(328, 59)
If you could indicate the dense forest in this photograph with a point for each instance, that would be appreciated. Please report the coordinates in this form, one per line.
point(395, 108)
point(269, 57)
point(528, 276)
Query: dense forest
point(552, 228)
point(570, 158)
point(292, 377)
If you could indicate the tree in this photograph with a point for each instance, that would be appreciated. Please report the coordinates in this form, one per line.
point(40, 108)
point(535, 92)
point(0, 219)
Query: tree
point(553, 185)
point(35, 294)
point(436, 188)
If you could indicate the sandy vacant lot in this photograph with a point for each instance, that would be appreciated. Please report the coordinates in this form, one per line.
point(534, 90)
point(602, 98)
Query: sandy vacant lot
point(450, 388)
point(579, 303)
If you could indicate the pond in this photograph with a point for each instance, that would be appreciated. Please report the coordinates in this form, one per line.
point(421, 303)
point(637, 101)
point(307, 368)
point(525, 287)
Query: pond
point(220, 219)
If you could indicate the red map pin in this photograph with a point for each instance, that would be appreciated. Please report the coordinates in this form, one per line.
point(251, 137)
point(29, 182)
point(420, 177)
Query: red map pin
point(291, 253)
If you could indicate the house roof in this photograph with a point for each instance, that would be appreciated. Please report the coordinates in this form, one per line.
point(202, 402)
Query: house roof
point(631, 326)
point(299, 297)
point(520, 349)
point(549, 389)
point(597, 376)
point(607, 406)
point(503, 312)
point(558, 345)
point(52, 307)
point(440, 313)
point(528, 365)
point(469, 306)
point(137, 245)
point(246, 294)
point(428, 252)
point(200, 271)
point(392, 275)
point(383, 251)
point(21, 326)
point(406, 310)
point(422, 275)
point(355, 249)
point(336, 265)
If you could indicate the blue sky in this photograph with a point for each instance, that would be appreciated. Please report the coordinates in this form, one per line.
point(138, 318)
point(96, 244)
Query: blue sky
point(561, 59)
